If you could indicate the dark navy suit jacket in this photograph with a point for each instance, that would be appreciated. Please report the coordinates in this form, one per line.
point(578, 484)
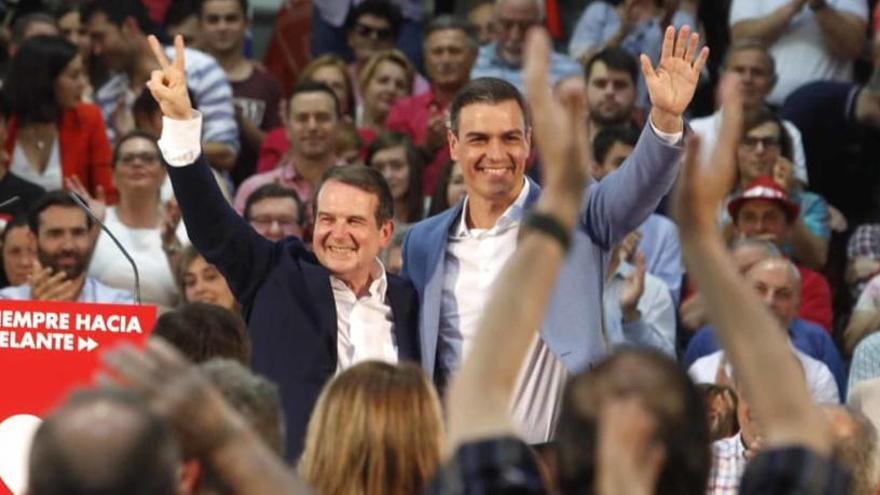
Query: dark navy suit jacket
point(285, 296)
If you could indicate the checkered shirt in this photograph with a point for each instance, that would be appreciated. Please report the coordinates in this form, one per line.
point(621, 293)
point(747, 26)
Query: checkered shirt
point(728, 464)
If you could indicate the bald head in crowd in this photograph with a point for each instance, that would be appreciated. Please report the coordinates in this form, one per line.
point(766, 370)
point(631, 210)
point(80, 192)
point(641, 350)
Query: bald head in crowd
point(778, 282)
point(104, 442)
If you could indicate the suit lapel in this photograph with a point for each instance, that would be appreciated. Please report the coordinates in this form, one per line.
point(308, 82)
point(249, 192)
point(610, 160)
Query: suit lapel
point(400, 299)
point(317, 280)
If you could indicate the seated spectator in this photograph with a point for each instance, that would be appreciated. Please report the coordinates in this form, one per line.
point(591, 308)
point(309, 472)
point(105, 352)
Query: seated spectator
point(65, 244)
point(386, 77)
point(810, 40)
point(450, 188)
point(657, 237)
point(775, 279)
point(611, 91)
point(256, 94)
point(275, 212)
point(751, 61)
point(450, 50)
point(482, 16)
point(141, 223)
point(119, 30)
point(731, 454)
point(764, 211)
point(372, 27)
point(104, 441)
point(396, 157)
point(330, 70)
point(18, 252)
point(634, 298)
point(313, 123)
point(722, 404)
point(503, 58)
point(634, 26)
point(53, 137)
point(202, 331)
point(377, 419)
point(200, 281)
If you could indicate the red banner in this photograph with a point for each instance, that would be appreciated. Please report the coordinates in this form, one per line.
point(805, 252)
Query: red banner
point(48, 349)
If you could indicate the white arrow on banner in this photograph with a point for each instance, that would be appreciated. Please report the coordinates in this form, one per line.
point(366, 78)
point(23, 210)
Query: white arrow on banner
point(88, 344)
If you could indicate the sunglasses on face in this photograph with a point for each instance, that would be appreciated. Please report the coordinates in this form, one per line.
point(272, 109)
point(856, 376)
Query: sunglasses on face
point(379, 34)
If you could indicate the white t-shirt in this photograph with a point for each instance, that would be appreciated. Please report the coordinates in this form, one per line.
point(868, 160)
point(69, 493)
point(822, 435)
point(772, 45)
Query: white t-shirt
point(110, 267)
point(800, 52)
point(820, 381)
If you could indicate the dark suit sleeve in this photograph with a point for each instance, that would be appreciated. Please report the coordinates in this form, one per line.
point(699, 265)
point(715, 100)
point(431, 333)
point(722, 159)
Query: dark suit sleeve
point(219, 233)
point(626, 197)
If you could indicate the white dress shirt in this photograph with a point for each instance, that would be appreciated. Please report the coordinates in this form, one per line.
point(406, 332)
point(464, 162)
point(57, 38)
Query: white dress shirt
point(656, 325)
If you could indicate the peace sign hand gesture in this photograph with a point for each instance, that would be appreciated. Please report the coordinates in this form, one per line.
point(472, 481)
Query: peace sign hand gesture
point(168, 84)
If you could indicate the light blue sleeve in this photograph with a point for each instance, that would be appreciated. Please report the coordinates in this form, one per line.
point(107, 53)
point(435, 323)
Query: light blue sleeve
point(588, 31)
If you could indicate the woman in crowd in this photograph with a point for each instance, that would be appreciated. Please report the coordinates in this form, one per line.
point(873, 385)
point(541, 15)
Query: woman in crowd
point(396, 157)
point(19, 252)
point(69, 19)
point(200, 281)
point(148, 229)
point(450, 188)
point(386, 77)
point(376, 430)
point(54, 139)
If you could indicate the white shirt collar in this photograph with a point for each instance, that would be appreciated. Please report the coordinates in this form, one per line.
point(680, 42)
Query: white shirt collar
point(378, 282)
point(511, 217)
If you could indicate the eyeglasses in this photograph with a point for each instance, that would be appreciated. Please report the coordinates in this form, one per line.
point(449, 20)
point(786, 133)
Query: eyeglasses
point(379, 34)
point(145, 157)
point(265, 222)
point(768, 142)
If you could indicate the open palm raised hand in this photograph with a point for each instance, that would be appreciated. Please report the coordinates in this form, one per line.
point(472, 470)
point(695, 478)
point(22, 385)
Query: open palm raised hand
point(168, 83)
point(672, 84)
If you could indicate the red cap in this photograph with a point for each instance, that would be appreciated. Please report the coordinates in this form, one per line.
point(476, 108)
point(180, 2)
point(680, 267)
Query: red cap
point(765, 188)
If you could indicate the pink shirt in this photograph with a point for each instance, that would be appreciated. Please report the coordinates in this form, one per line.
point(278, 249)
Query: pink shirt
point(286, 175)
point(410, 116)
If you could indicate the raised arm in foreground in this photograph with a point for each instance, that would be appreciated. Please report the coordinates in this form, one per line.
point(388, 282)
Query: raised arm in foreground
point(748, 333)
point(481, 393)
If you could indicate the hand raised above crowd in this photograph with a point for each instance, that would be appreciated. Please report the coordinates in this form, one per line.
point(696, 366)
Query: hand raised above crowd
point(672, 84)
point(168, 83)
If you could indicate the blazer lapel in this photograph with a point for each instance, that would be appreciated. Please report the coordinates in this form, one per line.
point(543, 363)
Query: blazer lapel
point(405, 332)
point(317, 280)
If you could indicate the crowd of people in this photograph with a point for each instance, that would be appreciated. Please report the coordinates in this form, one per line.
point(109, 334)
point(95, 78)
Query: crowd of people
point(471, 248)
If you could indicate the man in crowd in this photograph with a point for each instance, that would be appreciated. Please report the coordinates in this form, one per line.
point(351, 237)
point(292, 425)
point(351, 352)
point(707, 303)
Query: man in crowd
point(309, 314)
point(657, 237)
point(611, 90)
point(119, 29)
point(64, 248)
point(504, 57)
point(28, 26)
point(810, 39)
point(481, 15)
point(450, 51)
point(756, 69)
point(313, 124)
point(275, 212)
point(453, 258)
point(255, 92)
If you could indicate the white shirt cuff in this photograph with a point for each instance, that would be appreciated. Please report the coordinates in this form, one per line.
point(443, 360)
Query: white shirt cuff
point(666, 137)
point(181, 141)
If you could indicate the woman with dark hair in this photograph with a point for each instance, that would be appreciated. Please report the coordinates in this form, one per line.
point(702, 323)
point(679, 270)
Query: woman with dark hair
point(449, 190)
point(18, 251)
point(69, 18)
point(54, 139)
point(396, 157)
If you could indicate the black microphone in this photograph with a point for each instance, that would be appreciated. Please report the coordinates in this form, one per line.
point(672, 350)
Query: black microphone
point(10, 201)
point(137, 277)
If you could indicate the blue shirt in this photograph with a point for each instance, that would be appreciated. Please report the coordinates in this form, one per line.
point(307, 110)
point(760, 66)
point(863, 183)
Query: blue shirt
point(806, 337)
point(663, 252)
point(489, 64)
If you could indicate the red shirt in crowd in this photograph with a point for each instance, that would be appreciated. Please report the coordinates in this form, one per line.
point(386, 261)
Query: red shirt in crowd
point(410, 116)
point(815, 298)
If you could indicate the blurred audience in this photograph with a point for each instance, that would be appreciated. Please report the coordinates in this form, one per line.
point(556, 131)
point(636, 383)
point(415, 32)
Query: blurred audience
point(396, 157)
point(19, 252)
point(200, 281)
point(202, 331)
point(275, 212)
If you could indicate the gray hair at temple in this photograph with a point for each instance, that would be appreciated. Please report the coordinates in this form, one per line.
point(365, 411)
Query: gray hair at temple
point(450, 22)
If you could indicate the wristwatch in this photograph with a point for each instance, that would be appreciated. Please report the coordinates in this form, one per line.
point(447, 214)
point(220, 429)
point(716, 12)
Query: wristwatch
point(817, 5)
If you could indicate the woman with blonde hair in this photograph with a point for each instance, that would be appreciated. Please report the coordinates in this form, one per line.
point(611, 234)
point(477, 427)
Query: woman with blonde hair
point(386, 77)
point(376, 430)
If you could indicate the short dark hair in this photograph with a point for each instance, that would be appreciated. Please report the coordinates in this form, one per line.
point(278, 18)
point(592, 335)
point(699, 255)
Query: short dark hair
point(48, 200)
point(607, 137)
point(378, 8)
point(179, 11)
point(315, 87)
point(203, 331)
point(615, 59)
point(366, 179)
point(275, 190)
point(449, 22)
point(667, 393)
point(243, 4)
point(117, 11)
point(136, 134)
point(146, 463)
point(21, 25)
point(415, 162)
point(764, 115)
point(30, 82)
point(488, 90)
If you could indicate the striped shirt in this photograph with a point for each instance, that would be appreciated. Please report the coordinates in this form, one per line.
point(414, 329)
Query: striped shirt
point(208, 85)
